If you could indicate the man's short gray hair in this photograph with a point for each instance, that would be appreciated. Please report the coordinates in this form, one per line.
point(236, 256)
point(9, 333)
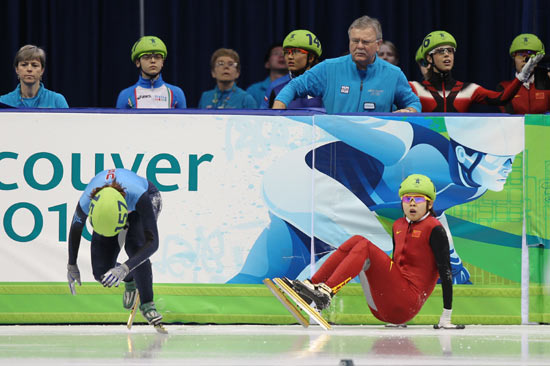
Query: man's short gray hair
point(28, 53)
point(365, 22)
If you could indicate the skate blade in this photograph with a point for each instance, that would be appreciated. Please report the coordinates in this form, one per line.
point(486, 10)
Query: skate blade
point(160, 329)
point(133, 313)
point(391, 325)
point(458, 326)
point(302, 304)
point(286, 303)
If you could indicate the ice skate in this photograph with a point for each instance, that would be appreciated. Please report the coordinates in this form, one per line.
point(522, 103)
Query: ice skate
point(319, 294)
point(286, 286)
point(130, 295)
point(152, 316)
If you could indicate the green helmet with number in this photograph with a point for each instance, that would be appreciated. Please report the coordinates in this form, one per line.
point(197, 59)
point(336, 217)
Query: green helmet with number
point(419, 58)
point(526, 42)
point(108, 212)
point(417, 183)
point(436, 39)
point(148, 44)
point(305, 40)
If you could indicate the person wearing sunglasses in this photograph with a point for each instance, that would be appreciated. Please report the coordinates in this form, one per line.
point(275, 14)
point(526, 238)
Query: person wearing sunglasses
point(529, 99)
point(358, 82)
point(149, 54)
point(440, 92)
point(302, 50)
point(395, 287)
point(225, 68)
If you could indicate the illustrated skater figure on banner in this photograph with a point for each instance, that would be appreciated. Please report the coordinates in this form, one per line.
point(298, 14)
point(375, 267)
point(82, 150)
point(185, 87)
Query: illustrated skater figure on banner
point(123, 209)
point(357, 169)
point(396, 288)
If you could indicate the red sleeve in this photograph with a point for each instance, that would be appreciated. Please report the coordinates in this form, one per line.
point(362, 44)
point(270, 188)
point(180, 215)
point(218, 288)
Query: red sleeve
point(491, 97)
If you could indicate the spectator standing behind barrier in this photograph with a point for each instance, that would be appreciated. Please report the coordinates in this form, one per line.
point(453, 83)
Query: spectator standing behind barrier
point(226, 68)
point(149, 54)
point(528, 99)
point(302, 50)
point(29, 64)
point(274, 61)
point(358, 82)
point(388, 52)
point(440, 92)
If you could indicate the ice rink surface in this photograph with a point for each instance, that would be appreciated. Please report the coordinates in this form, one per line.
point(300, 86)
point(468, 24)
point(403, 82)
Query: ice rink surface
point(273, 345)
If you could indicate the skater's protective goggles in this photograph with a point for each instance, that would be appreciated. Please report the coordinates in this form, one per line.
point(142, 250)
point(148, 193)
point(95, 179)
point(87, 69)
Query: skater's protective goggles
point(416, 198)
point(293, 51)
point(149, 56)
point(525, 53)
point(443, 50)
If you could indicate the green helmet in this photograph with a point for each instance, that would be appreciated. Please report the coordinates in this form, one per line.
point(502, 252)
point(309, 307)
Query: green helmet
point(108, 212)
point(305, 40)
point(148, 44)
point(419, 58)
point(417, 183)
point(526, 42)
point(436, 39)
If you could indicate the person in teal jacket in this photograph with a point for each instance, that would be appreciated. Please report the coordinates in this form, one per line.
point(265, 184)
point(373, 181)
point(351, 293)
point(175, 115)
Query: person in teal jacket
point(226, 69)
point(358, 82)
point(29, 65)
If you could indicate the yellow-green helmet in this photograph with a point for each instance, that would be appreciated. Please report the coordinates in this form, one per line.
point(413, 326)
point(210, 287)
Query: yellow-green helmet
point(419, 58)
point(417, 183)
point(305, 40)
point(148, 44)
point(108, 212)
point(526, 42)
point(436, 39)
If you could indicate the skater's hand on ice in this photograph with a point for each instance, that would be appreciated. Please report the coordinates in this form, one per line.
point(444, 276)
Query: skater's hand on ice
point(73, 275)
point(445, 321)
point(113, 276)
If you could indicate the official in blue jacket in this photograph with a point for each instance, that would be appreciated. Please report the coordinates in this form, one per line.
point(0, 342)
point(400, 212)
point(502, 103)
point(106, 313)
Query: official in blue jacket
point(29, 65)
point(358, 82)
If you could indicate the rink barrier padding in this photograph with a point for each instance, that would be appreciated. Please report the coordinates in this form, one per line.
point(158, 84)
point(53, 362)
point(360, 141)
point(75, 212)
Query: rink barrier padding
point(52, 303)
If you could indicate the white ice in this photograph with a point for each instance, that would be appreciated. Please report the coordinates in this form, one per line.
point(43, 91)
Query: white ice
point(273, 345)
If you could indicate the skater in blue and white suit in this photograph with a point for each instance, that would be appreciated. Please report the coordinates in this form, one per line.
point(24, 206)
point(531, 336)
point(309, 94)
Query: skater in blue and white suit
point(123, 209)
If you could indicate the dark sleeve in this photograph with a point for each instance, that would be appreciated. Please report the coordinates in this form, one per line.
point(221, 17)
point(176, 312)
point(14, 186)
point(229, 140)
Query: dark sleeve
point(75, 233)
point(146, 213)
point(440, 247)
point(393, 249)
point(271, 98)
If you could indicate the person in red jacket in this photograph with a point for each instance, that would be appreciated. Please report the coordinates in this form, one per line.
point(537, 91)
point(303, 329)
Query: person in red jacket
point(395, 288)
point(440, 92)
point(528, 99)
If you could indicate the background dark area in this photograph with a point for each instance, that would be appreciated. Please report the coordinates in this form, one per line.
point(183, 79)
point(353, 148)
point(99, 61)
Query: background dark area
point(88, 42)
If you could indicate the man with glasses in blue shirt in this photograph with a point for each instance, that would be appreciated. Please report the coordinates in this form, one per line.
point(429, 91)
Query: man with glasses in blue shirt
point(149, 54)
point(358, 82)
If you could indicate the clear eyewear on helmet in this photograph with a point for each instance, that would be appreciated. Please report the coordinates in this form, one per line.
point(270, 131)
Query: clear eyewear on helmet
point(155, 56)
point(293, 51)
point(417, 198)
point(443, 50)
point(228, 64)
